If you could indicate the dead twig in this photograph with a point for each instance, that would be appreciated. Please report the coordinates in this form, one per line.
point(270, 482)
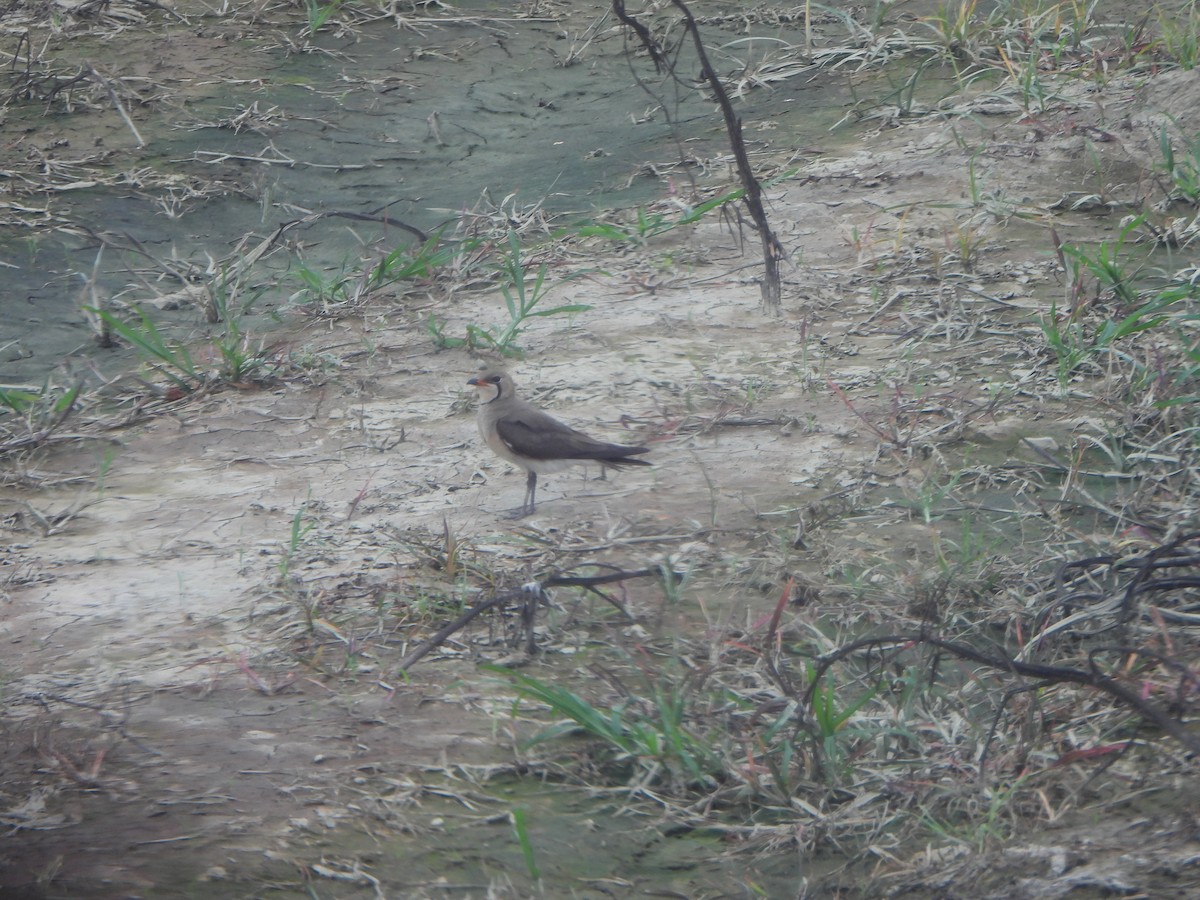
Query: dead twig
point(773, 251)
point(116, 101)
point(1093, 677)
point(531, 595)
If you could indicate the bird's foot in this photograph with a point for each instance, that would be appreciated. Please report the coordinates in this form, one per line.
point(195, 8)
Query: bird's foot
point(519, 513)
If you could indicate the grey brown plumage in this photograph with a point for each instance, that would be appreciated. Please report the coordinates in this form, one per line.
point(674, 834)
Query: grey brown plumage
point(537, 442)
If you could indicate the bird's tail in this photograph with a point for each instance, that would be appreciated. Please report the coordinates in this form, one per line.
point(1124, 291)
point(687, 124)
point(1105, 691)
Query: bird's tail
point(621, 456)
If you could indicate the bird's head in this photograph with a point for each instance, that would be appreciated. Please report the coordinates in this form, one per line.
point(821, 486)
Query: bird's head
point(492, 384)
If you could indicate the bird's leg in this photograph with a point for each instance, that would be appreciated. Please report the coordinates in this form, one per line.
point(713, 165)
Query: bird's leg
point(530, 490)
point(526, 508)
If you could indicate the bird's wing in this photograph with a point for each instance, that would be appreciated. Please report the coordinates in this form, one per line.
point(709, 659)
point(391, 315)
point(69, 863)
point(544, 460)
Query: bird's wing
point(541, 437)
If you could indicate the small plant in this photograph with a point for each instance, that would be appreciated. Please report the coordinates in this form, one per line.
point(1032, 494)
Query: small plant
point(964, 241)
point(39, 412)
point(1024, 68)
point(1183, 169)
point(240, 360)
point(649, 225)
point(317, 288)
point(653, 731)
point(521, 829)
point(1181, 36)
point(1187, 374)
point(830, 722)
point(1068, 342)
point(1109, 261)
point(298, 531)
point(436, 328)
point(931, 495)
point(171, 360)
point(954, 27)
point(403, 263)
point(904, 95)
point(520, 298)
point(342, 286)
point(319, 14)
point(17, 400)
point(1073, 344)
point(982, 831)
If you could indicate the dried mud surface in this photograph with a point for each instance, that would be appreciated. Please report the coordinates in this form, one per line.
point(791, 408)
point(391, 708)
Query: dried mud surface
point(163, 736)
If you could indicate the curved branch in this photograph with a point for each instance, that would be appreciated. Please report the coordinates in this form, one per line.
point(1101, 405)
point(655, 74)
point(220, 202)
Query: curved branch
point(534, 591)
point(773, 251)
point(1052, 674)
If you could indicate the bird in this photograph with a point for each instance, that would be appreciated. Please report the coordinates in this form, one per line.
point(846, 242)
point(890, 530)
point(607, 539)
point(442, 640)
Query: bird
point(536, 441)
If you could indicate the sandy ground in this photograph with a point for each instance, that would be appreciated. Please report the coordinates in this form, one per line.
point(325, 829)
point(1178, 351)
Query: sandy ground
point(173, 728)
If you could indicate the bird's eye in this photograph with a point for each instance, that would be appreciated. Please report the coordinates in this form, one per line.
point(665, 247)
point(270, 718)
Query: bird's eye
point(495, 379)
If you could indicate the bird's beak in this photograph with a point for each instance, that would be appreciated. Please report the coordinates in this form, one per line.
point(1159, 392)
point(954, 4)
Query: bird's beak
point(474, 382)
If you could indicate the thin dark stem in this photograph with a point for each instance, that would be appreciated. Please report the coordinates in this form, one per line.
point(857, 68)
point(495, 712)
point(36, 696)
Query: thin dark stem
point(773, 251)
point(532, 594)
point(1093, 677)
